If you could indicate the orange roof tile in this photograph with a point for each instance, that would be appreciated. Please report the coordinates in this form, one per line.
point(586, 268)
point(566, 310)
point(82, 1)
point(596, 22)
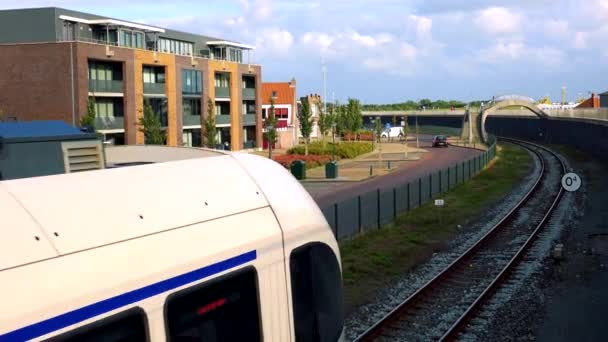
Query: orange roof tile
point(284, 93)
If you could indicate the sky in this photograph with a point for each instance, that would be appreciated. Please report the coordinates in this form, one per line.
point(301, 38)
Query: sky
point(385, 51)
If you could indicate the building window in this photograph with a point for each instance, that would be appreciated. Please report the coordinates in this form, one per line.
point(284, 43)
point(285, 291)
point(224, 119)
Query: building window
point(192, 82)
point(191, 106)
point(129, 325)
point(154, 74)
point(175, 46)
point(222, 80)
point(316, 287)
point(224, 309)
point(108, 108)
point(159, 107)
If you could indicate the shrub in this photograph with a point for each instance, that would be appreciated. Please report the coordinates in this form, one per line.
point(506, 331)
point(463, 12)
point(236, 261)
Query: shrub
point(344, 149)
point(311, 161)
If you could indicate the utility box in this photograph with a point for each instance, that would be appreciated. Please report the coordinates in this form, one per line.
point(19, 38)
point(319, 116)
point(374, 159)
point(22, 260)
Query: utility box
point(42, 148)
point(331, 170)
point(298, 169)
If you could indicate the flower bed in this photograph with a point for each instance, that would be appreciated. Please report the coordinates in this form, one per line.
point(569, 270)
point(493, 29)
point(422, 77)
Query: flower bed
point(311, 161)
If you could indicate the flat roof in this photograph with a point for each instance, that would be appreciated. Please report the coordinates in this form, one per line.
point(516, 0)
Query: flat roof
point(40, 129)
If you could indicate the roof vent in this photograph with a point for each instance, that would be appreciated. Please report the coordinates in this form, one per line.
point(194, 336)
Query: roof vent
point(82, 156)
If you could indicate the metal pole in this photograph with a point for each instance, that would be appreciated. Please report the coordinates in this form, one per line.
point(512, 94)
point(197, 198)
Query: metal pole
point(324, 88)
point(417, 133)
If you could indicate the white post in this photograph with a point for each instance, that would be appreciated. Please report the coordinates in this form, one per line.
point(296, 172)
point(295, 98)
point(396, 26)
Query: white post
point(324, 69)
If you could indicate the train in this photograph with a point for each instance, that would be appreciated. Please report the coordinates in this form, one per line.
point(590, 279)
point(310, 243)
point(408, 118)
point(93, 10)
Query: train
point(229, 247)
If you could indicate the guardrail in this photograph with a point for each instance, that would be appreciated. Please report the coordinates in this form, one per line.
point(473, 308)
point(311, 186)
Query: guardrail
point(371, 210)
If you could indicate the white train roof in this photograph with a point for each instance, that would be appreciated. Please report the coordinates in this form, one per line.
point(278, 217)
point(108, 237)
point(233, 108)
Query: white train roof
point(46, 217)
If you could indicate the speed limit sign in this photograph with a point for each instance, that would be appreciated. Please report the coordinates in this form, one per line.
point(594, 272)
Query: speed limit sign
point(571, 181)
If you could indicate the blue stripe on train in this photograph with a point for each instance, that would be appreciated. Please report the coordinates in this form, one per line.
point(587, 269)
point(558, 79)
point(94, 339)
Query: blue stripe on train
point(95, 309)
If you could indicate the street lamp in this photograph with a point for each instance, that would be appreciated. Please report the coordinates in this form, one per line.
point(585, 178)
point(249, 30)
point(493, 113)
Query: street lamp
point(404, 134)
point(333, 140)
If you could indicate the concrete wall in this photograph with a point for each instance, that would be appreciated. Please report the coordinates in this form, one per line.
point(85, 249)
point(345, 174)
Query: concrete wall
point(587, 136)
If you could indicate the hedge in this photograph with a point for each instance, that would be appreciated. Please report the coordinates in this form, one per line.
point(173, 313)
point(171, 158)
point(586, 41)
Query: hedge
point(344, 150)
point(311, 161)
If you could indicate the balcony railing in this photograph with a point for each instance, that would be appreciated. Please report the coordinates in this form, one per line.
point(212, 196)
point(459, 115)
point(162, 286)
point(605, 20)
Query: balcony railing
point(222, 92)
point(248, 93)
point(191, 120)
point(116, 122)
point(222, 119)
point(115, 44)
point(249, 120)
point(154, 88)
point(105, 86)
point(249, 144)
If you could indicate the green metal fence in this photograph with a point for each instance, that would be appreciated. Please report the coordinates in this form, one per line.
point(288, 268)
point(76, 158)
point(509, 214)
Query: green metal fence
point(372, 210)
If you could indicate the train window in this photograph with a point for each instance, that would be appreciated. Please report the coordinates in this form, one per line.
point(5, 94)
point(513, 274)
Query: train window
point(224, 309)
point(316, 287)
point(126, 326)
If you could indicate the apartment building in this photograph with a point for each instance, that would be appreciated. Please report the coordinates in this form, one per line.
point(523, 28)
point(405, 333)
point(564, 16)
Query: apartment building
point(54, 61)
point(285, 110)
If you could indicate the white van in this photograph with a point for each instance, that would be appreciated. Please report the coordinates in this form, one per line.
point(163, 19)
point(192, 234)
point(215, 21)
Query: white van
point(393, 132)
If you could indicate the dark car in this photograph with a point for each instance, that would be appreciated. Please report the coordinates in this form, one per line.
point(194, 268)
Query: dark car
point(440, 140)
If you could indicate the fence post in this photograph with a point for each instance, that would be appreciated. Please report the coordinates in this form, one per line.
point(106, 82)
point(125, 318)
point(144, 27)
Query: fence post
point(431, 186)
point(394, 202)
point(440, 181)
point(407, 193)
point(469, 169)
point(336, 218)
point(378, 201)
point(419, 192)
point(359, 213)
point(449, 167)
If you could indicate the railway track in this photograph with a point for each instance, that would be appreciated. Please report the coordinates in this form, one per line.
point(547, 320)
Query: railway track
point(441, 309)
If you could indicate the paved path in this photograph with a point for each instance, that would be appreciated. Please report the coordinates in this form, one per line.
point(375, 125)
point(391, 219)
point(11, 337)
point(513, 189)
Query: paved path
point(327, 193)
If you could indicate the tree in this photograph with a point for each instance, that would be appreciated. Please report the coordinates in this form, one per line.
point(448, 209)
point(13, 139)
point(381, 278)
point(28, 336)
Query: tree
point(150, 126)
point(271, 128)
point(325, 121)
point(378, 128)
point(209, 128)
point(88, 120)
point(354, 114)
point(340, 119)
point(394, 120)
point(406, 128)
point(305, 123)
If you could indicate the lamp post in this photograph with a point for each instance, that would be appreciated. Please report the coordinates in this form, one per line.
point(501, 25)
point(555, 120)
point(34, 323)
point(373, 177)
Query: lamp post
point(373, 122)
point(333, 140)
point(404, 135)
point(379, 134)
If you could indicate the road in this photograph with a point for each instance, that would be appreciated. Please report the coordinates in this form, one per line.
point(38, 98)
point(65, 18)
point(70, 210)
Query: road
point(327, 193)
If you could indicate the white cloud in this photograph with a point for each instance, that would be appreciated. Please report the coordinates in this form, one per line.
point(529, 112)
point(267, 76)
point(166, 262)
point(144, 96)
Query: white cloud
point(557, 28)
point(501, 51)
point(497, 20)
point(274, 41)
point(422, 27)
point(580, 40)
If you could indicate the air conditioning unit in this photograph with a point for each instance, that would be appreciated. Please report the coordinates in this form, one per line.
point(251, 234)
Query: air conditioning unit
point(82, 156)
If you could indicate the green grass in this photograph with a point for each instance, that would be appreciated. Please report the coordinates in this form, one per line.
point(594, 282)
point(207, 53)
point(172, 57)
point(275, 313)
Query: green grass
point(436, 130)
point(372, 260)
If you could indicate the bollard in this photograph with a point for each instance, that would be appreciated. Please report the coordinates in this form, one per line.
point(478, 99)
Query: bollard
point(371, 169)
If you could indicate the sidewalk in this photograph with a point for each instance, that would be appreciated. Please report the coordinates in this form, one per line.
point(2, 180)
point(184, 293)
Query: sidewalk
point(358, 169)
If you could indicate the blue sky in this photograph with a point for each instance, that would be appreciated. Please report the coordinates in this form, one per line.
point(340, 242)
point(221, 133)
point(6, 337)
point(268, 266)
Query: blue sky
point(383, 51)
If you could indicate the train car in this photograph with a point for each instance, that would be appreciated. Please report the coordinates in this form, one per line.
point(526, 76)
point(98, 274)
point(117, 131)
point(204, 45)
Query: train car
point(229, 247)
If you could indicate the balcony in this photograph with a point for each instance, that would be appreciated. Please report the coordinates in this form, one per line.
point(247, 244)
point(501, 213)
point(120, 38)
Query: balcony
point(191, 120)
point(104, 86)
point(248, 93)
point(249, 144)
point(222, 92)
point(222, 119)
point(109, 123)
point(154, 88)
point(249, 120)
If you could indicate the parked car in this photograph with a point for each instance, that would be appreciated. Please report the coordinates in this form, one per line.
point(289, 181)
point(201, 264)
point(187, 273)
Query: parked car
point(440, 140)
point(393, 132)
